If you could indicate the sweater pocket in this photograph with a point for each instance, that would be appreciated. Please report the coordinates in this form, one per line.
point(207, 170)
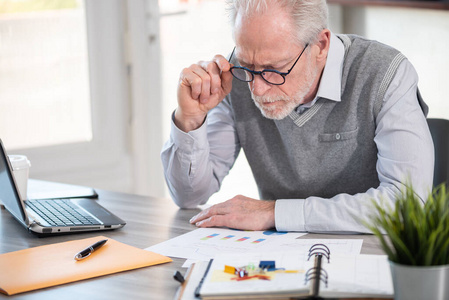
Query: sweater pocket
point(338, 136)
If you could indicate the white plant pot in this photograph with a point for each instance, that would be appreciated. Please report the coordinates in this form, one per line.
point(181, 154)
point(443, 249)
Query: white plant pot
point(420, 283)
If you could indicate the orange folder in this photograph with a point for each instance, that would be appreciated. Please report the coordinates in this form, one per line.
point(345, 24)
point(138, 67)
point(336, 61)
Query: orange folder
point(51, 265)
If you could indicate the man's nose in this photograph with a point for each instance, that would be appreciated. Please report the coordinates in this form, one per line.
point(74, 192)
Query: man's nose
point(259, 86)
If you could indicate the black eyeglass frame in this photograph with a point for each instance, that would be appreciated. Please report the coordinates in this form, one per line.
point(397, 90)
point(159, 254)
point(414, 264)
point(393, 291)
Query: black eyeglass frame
point(253, 73)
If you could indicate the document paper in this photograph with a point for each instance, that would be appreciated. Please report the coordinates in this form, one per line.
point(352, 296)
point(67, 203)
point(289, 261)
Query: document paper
point(204, 243)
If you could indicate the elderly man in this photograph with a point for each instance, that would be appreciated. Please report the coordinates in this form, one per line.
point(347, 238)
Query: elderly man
point(327, 122)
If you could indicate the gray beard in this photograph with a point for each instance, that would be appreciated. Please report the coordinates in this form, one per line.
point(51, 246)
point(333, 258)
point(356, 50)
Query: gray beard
point(286, 104)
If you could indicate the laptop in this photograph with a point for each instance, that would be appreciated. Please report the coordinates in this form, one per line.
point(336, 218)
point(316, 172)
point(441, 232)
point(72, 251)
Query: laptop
point(52, 216)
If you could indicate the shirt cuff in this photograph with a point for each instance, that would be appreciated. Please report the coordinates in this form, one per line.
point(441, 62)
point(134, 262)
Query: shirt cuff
point(289, 215)
point(187, 141)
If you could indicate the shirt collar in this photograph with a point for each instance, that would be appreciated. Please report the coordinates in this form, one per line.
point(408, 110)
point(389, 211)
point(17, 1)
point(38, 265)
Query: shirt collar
point(330, 83)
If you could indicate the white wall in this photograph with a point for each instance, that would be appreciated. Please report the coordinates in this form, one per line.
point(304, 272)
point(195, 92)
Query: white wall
point(420, 34)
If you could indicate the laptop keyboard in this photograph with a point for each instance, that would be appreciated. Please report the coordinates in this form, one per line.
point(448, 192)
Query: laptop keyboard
point(60, 212)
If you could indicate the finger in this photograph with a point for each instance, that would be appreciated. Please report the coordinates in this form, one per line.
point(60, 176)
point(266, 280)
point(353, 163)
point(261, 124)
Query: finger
point(226, 82)
point(214, 72)
point(222, 63)
point(200, 216)
point(193, 81)
point(217, 209)
point(214, 221)
point(226, 76)
point(196, 218)
point(205, 82)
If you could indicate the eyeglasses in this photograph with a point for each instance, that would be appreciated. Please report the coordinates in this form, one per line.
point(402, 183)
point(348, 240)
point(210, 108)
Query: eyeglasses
point(271, 76)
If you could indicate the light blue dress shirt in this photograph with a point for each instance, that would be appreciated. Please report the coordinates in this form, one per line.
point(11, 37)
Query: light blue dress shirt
point(196, 162)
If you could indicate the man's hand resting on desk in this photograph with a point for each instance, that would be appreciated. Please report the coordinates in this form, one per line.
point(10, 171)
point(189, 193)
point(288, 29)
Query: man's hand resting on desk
point(239, 212)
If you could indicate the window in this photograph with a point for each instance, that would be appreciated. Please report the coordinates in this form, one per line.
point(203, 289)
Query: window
point(66, 103)
point(44, 80)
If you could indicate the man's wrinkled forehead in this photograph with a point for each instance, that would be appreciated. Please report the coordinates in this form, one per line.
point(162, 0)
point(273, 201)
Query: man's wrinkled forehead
point(262, 59)
point(264, 39)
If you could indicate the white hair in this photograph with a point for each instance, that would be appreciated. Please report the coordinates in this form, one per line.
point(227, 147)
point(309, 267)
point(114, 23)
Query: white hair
point(310, 17)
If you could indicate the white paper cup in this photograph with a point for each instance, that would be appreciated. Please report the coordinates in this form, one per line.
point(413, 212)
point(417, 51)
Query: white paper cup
point(20, 169)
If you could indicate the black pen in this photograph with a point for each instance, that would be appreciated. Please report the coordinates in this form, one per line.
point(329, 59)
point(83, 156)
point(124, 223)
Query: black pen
point(88, 251)
point(198, 288)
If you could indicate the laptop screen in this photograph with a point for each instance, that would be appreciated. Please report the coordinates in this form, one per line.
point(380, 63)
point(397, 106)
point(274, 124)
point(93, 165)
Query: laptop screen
point(8, 193)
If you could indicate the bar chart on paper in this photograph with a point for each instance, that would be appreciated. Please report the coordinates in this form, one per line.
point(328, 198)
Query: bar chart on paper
point(209, 236)
point(224, 239)
point(253, 237)
point(231, 237)
point(204, 243)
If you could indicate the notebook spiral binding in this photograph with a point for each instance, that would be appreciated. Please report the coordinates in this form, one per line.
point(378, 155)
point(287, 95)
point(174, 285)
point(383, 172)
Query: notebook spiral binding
point(320, 249)
point(317, 273)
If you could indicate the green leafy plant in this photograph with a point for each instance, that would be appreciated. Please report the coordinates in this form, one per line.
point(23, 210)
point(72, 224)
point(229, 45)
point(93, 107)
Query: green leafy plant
point(415, 234)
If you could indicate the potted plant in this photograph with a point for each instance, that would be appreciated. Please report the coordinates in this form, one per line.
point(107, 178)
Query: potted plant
point(416, 239)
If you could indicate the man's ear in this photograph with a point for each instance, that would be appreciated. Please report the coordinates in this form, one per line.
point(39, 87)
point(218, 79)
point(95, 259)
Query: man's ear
point(322, 45)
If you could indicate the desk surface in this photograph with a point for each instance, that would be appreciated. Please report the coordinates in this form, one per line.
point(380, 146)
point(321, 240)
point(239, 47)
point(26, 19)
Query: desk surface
point(149, 221)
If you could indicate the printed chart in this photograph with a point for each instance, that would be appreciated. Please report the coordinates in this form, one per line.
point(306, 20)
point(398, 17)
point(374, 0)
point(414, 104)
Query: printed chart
point(234, 238)
point(205, 243)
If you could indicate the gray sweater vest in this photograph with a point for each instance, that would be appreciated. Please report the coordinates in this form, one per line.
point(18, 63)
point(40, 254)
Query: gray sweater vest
point(329, 149)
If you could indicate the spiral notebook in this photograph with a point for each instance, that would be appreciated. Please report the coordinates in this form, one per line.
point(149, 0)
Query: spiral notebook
point(316, 273)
